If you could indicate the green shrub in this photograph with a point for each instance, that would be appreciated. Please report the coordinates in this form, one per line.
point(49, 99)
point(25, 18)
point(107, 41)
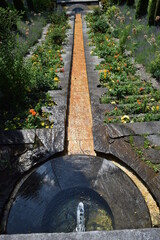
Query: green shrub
point(141, 8)
point(13, 76)
point(57, 36)
point(151, 12)
point(58, 18)
point(155, 67)
point(100, 25)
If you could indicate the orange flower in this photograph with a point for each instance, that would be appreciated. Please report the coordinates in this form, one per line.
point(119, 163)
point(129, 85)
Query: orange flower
point(117, 81)
point(116, 109)
point(138, 102)
point(110, 68)
point(141, 89)
point(125, 64)
point(115, 56)
point(31, 110)
point(61, 59)
point(33, 113)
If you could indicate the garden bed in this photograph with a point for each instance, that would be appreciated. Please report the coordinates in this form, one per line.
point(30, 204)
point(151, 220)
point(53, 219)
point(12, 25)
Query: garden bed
point(25, 84)
point(133, 99)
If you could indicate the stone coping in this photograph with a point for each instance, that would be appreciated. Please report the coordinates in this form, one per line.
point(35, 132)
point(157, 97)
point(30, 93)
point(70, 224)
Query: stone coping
point(140, 234)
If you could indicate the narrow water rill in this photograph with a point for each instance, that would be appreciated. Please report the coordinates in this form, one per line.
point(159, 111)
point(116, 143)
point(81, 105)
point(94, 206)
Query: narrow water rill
point(80, 137)
point(80, 191)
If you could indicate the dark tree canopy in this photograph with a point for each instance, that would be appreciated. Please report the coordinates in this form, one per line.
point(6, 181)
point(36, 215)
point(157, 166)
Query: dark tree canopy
point(130, 2)
point(30, 5)
point(141, 9)
point(151, 12)
point(3, 4)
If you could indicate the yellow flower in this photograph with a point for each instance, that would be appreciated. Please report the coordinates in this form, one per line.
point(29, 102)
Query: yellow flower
point(42, 124)
point(157, 108)
point(125, 119)
point(56, 79)
point(47, 126)
point(113, 102)
point(49, 51)
point(51, 69)
point(51, 126)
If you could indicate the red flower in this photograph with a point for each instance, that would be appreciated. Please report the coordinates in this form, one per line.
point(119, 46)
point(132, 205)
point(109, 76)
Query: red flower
point(62, 70)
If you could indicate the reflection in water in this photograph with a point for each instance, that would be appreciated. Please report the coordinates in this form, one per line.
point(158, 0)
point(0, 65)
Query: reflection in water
point(61, 214)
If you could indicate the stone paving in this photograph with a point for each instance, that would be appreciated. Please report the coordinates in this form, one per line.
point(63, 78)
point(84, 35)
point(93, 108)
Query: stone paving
point(80, 138)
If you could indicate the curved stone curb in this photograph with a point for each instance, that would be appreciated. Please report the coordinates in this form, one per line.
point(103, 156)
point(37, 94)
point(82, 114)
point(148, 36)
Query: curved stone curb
point(67, 173)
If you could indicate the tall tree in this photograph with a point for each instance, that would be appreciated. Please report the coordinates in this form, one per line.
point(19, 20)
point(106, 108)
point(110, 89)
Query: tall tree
point(151, 12)
point(141, 8)
point(3, 4)
point(130, 2)
point(30, 5)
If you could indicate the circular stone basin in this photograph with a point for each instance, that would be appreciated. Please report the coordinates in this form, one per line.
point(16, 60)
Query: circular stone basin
point(47, 201)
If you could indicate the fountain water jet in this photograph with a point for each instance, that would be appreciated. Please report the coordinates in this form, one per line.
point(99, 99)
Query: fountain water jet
point(80, 218)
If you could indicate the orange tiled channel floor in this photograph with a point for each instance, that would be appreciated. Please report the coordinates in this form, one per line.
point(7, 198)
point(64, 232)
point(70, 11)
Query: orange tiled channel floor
point(80, 137)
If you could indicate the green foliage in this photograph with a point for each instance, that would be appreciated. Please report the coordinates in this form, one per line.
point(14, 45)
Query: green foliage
point(141, 8)
point(100, 25)
point(8, 19)
point(155, 67)
point(151, 12)
point(58, 18)
point(13, 74)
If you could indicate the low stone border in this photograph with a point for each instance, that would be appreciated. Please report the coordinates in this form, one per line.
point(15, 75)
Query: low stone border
point(114, 139)
point(20, 150)
point(141, 234)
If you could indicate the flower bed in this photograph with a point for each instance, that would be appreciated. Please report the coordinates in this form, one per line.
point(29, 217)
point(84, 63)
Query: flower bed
point(133, 100)
point(40, 75)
